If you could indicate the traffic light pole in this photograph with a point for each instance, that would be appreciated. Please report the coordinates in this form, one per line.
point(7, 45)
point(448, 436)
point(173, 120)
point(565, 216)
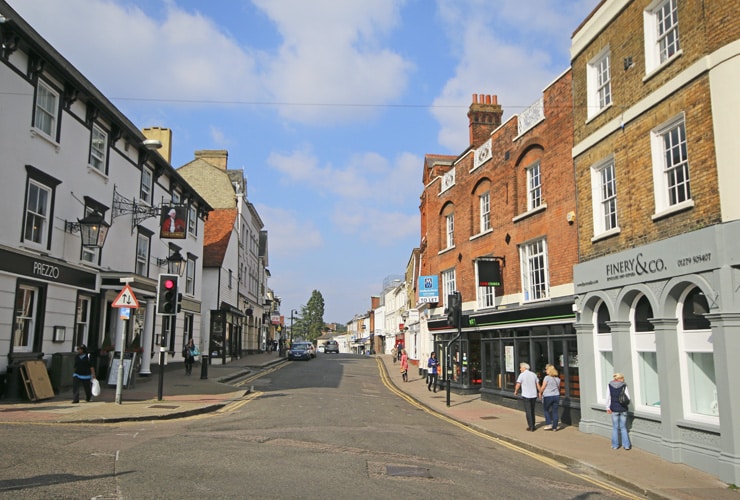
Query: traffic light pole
point(162, 354)
point(449, 353)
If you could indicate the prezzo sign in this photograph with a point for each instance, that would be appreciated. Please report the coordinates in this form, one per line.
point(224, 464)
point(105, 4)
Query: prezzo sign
point(42, 269)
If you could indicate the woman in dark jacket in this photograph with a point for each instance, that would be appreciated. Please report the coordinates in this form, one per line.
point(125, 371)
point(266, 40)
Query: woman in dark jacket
point(618, 412)
point(83, 374)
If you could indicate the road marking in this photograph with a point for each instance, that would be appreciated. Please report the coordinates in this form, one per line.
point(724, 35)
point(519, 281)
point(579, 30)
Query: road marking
point(254, 377)
point(545, 460)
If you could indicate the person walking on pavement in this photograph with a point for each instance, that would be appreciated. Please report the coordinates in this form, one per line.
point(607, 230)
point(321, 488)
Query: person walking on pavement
point(404, 365)
point(530, 387)
point(618, 411)
point(188, 353)
point(550, 396)
point(393, 353)
point(432, 365)
point(83, 375)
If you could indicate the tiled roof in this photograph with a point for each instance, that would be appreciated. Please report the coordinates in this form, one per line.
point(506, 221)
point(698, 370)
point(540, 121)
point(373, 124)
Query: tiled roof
point(218, 230)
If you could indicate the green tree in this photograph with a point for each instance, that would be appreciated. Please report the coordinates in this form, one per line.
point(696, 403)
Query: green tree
point(312, 317)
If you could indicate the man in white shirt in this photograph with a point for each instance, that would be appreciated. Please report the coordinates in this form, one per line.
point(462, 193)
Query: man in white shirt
point(530, 387)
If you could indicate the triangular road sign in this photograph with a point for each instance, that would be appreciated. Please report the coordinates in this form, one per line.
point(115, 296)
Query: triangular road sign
point(126, 299)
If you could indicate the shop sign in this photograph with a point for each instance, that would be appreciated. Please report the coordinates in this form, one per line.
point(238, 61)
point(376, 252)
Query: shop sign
point(42, 269)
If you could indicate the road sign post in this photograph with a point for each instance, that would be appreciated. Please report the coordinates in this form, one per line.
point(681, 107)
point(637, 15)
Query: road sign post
point(125, 301)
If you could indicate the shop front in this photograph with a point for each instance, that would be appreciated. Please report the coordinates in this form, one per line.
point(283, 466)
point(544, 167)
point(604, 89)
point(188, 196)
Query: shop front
point(459, 358)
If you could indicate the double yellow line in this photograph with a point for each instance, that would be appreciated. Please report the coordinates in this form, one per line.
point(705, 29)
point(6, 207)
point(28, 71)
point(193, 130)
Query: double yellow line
point(545, 460)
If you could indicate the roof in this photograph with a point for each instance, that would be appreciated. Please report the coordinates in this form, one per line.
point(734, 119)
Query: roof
point(218, 230)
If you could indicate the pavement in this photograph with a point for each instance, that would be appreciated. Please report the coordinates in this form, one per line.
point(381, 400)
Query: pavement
point(185, 395)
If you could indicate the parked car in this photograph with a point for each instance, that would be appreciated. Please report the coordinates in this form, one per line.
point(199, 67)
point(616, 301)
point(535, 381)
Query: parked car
point(300, 350)
point(331, 346)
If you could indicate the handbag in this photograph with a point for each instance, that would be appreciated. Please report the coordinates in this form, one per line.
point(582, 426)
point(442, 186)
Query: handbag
point(95, 387)
point(194, 352)
point(623, 399)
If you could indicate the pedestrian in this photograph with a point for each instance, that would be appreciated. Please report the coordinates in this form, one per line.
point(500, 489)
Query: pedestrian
point(550, 396)
point(188, 352)
point(618, 410)
point(432, 365)
point(404, 366)
point(393, 353)
point(530, 386)
point(83, 374)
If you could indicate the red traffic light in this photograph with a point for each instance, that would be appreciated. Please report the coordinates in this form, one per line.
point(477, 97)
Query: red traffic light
point(169, 284)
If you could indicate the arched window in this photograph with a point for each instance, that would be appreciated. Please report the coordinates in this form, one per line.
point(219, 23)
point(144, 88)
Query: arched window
point(645, 358)
point(603, 343)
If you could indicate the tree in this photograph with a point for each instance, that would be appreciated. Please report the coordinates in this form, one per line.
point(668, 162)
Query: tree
point(312, 320)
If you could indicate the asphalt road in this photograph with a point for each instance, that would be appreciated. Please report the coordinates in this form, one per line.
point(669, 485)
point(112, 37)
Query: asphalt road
point(326, 428)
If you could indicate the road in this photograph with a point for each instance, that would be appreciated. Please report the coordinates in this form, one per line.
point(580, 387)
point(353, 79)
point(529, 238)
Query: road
point(326, 428)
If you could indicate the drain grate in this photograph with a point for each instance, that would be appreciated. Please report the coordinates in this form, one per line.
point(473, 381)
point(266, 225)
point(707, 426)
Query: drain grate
point(406, 471)
point(490, 417)
point(165, 407)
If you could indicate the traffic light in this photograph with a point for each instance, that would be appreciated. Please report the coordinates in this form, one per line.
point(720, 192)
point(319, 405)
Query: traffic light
point(167, 294)
point(454, 309)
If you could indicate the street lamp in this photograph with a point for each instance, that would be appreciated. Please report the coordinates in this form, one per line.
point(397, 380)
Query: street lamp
point(93, 230)
point(291, 324)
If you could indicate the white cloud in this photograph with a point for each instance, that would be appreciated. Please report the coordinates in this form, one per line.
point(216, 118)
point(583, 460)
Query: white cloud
point(289, 233)
point(375, 226)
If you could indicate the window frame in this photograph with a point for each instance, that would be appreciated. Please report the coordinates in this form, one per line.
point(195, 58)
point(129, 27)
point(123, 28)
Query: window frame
point(599, 95)
point(146, 187)
point(449, 282)
point(450, 230)
point(98, 156)
point(40, 110)
point(142, 261)
point(484, 204)
point(603, 348)
point(643, 342)
point(33, 217)
point(190, 275)
point(192, 220)
point(534, 186)
point(658, 54)
point(664, 187)
point(534, 290)
point(31, 313)
point(604, 198)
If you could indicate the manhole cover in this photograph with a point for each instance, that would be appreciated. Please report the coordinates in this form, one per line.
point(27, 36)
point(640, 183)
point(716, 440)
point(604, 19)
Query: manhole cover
point(490, 417)
point(165, 407)
point(406, 471)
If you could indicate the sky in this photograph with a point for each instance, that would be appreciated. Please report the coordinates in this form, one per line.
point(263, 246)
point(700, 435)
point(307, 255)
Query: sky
point(328, 106)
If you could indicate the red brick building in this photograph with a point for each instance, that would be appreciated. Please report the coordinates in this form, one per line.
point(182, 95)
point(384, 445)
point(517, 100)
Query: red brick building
point(506, 204)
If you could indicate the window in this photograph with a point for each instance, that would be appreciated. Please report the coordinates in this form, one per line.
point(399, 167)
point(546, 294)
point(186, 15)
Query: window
point(190, 276)
point(192, 220)
point(36, 226)
point(647, 385)
point(671, 167)
point(533, 258)
point(26, 317)
point(603, 343)
point(598, 74)
point(82, 320)
point(604, 196)
point(534, 187)
point(485, 211)
point(98, 148)
point(486, 296)
point(662, 41)
point(697, 358)
point(146, 185)
point(450, 230)
point(46, 112)
point(448, 282)
point(142, 254)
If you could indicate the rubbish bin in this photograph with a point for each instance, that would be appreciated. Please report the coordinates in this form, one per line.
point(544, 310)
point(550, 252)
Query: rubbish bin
point(62, 368)
point(13, 381)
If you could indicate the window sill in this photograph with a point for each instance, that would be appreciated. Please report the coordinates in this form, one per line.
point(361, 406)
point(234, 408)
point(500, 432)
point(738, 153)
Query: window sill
point(702, 426)
point(680, 207)
point(94, 170)
point(484, 233)
point(42, 135)
point(606, 234)
point(598, 113)
point(534, 211)
point(654, 71)
point(445, 250)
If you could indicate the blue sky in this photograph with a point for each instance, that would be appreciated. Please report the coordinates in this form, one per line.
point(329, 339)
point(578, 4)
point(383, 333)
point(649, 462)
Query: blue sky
point(329, 106)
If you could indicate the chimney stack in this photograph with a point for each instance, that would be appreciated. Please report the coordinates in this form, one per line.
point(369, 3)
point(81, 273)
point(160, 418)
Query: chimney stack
point(484, 116)
point(219, 158)
point(163, 135)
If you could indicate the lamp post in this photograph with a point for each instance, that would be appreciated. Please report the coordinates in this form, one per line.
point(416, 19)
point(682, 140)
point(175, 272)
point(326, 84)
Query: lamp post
point(291, 325)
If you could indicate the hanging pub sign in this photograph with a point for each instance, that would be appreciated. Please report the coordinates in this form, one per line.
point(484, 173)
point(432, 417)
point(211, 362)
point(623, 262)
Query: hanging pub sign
point(172, 222)
point(489, 273)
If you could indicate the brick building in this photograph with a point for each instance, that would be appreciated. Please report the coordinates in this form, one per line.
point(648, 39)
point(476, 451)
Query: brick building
point(503, 213)
point(656, 115)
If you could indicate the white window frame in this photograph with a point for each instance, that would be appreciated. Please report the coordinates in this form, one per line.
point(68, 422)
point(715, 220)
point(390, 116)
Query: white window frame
point(598, 81)
point(485, 211)
point(82, 320)
point(604, 198)
point(449, 283)
point(192, 220)
point(28, 316)
point(662, 39)
point(98, 148)
point(147, 182)
point(450, 230)
point(190, 276)
point(46, 113)
point(534, 270)
point(534, 186)
point(36, 217)
point(646, 379)
point(486, 297)
point(604, 355)
point(143, 248)
point(694, 342)
point(667, 141)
